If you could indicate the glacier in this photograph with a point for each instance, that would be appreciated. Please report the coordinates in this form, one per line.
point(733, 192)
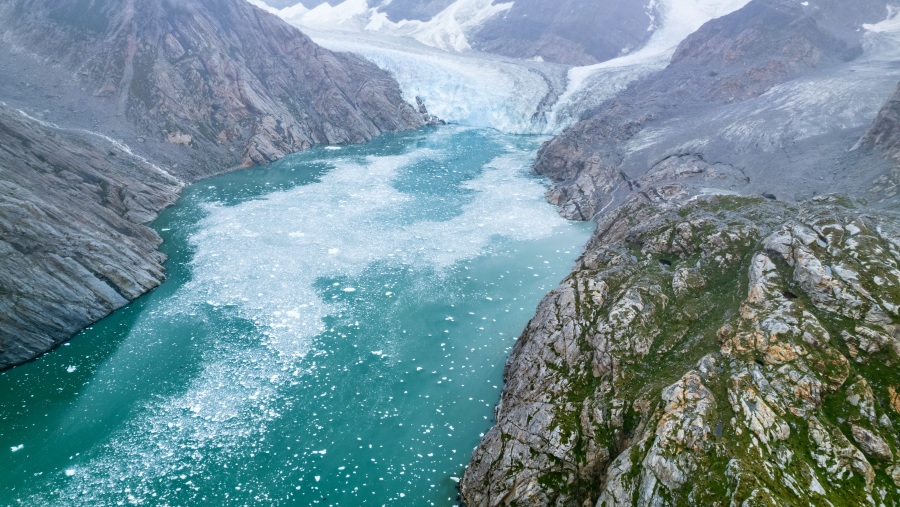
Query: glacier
point(433, 60)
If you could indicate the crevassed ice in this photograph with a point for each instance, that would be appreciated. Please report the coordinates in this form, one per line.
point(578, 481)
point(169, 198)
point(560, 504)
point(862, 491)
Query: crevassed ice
point(463, 88)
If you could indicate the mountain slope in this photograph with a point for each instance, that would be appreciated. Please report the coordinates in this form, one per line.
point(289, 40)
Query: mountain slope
point(222, 83)
point(884, 139)
point(761, 62)
point(197, 87)
point(885, 132)
point(572, 32)
point(723, 351)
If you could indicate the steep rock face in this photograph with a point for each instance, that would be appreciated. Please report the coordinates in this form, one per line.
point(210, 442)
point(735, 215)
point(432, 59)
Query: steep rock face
point(222, 82)
point(573, 32)
point(884, 139)
point(727, 62)
point(71, 247)
point(718, 351)
point(885, 132)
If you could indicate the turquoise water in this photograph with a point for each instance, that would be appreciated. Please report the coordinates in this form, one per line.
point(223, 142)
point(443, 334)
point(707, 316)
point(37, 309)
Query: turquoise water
point(333, 332)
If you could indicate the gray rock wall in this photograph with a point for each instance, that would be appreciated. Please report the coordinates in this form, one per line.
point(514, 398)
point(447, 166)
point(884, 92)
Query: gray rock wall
point(72, 249)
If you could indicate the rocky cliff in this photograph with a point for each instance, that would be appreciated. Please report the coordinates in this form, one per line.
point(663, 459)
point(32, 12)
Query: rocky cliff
point(196, 87)
point(216, 83)
point(71, 245)
point(884, 134)
point(735, 92)
point(884, 139)
point(716, 351)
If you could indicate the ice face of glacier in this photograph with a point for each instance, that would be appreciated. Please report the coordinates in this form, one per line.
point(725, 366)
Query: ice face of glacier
point(477, 90)
point(430, 59)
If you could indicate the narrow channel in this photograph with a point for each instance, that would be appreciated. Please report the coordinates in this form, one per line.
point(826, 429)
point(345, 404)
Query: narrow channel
point(332, 332)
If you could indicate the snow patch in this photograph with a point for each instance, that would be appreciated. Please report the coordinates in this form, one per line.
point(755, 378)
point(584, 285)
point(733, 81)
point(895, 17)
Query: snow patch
point(447, 30)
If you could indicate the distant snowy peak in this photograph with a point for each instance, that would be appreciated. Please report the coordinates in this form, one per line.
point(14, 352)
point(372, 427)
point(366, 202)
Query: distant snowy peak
point(573, 32)
point(443, 24)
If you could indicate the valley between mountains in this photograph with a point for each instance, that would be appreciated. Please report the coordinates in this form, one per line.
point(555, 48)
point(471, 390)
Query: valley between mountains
point(297, 243)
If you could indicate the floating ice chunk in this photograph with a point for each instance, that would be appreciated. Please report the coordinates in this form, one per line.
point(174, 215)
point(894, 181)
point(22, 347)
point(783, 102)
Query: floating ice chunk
point(349, 289)
point(318, 478)
point(70, 472)
point(17, 448)
point(334, 251)
point(332, 148)
point(71, 369)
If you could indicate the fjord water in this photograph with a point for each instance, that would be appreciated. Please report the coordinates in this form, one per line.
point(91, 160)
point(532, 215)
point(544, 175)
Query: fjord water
point(332, 332)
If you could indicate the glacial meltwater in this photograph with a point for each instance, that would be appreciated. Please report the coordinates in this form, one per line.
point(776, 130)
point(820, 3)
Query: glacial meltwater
point(332, 332)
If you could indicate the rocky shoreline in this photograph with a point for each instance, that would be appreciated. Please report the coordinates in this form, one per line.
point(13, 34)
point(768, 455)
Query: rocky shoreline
point(712, 352)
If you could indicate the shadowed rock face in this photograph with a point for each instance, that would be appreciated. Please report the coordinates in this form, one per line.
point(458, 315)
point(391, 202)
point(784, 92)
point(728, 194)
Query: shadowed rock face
point(223, 83)
point(728, 62)
point(71, 247)
point(885, 132)
point(884, 139)
point(573, 32)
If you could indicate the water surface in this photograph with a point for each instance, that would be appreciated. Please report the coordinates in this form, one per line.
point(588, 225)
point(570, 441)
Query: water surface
point(333, 332)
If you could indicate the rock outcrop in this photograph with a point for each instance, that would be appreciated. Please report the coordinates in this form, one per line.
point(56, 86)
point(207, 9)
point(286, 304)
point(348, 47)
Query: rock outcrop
point(884, 139)
point(72, 249)
point(885, 132)
point(221, 83)
point(713, 351)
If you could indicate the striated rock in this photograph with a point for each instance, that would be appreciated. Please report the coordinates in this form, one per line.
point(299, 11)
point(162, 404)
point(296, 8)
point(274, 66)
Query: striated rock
point(872, 444)
point(72, 249)
point(629, 387)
